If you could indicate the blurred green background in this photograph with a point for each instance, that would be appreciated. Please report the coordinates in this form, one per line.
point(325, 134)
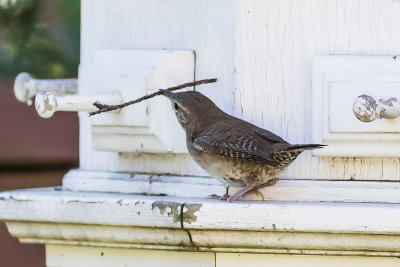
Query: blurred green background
point(40, 37)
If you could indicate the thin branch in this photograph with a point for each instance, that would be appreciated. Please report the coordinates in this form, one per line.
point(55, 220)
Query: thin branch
point(105, 108)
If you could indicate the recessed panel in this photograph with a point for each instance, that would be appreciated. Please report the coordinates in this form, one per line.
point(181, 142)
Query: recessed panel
point(151, 125)
point(337, 82)
point(341, 97)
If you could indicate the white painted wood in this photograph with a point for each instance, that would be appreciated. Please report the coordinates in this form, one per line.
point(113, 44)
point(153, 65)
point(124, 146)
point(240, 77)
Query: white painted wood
point(47, 103)
point(276, 42)
point(275, 242)
point(341, 107)
point(296, 217)
point(134, 73)
point(203, 27)
point(173, 186)
point(65, 256)
point(337, 82)
point(309, 252)
point(177, 68)
point(250, 242)
point(134, 221)
point(261, 52)
point(158, 163)
point(126, 139)
point(26, 87)
point(100, 235)
point(239, 260)
point(266, 71)
point(50, 205)
point(201, 187)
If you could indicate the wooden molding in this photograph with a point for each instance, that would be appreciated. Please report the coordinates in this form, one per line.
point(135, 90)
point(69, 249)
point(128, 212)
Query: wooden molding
point(160, 222)
point(202, 187)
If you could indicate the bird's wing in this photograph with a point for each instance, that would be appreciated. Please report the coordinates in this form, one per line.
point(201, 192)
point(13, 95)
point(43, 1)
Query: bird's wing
point(239, 143)
point(268, 135)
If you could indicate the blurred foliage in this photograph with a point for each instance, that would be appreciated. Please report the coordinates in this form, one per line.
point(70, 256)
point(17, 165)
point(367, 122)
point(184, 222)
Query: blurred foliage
point(40, 37)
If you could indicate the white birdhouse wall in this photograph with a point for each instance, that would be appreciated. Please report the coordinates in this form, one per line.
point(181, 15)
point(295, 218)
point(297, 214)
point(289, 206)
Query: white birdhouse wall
point(275, 45)
point(262, 54)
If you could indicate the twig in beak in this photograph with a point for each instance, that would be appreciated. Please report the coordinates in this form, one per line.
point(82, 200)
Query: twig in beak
point(105, 108)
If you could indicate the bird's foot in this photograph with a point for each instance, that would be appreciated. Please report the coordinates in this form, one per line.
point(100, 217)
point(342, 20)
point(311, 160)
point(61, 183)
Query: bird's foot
point(242, 191)
point(248, 189)
point(215, 196)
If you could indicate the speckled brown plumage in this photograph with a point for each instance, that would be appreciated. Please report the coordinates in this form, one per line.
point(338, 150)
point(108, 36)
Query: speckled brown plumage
point(231, 150)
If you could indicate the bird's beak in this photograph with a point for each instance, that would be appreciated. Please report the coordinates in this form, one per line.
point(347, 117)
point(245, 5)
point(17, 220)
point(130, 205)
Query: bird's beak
point(167, 93)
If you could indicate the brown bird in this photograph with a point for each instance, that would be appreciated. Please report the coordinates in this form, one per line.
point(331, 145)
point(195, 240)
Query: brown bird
point(231, 150)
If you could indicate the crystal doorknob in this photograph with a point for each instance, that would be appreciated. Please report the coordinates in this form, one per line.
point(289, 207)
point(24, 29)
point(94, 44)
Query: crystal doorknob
point(47, 103)
point(367, 109)
point(26, 87)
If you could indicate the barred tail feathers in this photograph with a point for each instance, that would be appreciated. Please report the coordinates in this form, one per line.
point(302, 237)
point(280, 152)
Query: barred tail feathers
point(286, 155)
point(305, 147)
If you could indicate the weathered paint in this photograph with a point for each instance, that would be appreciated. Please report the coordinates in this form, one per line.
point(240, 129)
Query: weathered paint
point(171, 208)
point(367, 109)
point(189, 210)
point(96, 219)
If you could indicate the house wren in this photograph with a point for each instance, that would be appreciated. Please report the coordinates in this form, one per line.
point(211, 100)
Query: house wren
point(231, 150)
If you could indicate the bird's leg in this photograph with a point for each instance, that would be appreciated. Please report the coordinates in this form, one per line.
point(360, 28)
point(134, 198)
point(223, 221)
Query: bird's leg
point(241, 192)
point(256, 188)
point(268, 183)
point(255, 191)
point(248, 189)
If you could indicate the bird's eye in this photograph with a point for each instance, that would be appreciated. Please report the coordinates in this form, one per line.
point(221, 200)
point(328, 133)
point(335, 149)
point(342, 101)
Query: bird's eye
point(176, 107)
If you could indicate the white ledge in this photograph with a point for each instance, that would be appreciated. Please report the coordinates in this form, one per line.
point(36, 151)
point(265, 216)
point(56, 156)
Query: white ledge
point(120, 220)
point(201, 187)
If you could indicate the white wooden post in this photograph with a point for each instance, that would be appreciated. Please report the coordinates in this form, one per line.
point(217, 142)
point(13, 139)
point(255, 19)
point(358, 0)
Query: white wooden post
point(26, 87)
point(46, 103)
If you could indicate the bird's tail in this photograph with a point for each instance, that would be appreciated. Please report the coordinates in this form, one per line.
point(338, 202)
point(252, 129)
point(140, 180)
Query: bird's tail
point(304, 147)
point(290, 153)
